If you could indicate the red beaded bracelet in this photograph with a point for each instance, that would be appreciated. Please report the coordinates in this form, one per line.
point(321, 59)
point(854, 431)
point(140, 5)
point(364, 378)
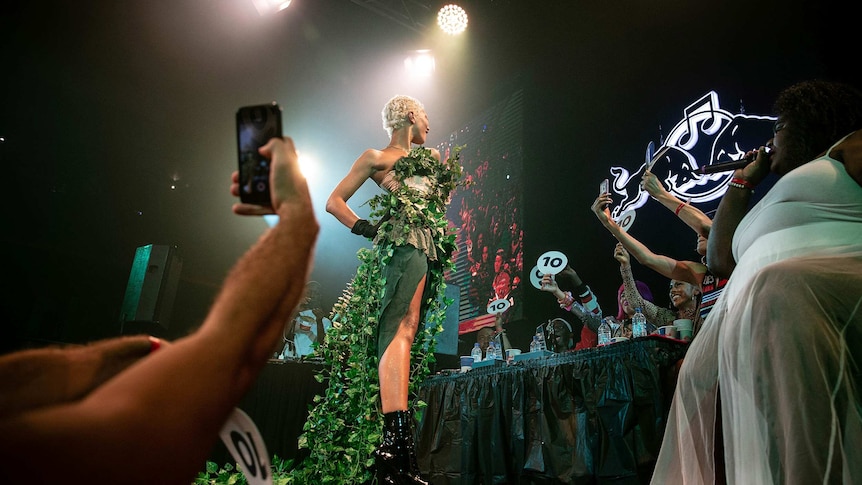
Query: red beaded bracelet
point(741, 181)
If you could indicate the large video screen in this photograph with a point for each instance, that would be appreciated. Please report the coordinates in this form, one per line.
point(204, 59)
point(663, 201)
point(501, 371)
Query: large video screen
point(488, 215)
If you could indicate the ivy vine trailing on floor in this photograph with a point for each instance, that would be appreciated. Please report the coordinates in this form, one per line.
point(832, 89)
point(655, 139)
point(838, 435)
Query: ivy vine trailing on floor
point(344, 425)
point(231, 475)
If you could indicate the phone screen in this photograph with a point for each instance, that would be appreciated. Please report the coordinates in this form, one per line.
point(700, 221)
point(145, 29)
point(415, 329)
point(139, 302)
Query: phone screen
point(255, 125)
point(604, 187)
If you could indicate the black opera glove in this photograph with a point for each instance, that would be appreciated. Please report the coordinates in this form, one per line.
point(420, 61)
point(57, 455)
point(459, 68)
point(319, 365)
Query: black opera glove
point(364, 228)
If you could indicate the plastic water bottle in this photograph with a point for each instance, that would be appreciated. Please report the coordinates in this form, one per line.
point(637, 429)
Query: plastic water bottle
point(533, 344)
point(638, 324)
point(476, 353)
point(604, 332)
point(540, 340)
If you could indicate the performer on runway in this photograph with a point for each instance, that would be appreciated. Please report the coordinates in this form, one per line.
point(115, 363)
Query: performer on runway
point(396, 288)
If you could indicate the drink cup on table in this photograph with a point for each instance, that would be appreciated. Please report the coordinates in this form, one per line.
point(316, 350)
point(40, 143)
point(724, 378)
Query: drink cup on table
point(684, 328)
point(511, 353)
point(466, 363)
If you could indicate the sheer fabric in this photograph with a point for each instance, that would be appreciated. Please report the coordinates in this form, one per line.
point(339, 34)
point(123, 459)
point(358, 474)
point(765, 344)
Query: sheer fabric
point(783, 344)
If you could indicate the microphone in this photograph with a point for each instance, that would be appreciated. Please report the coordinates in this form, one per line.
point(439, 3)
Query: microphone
point(731, 165)
point(725, 166)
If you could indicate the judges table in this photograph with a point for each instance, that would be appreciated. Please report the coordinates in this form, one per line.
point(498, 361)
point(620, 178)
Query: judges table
point(593, 416)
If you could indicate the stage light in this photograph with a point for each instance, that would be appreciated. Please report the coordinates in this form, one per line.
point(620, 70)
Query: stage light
point(268, 6)
point(308, 165)
point(452, 19)
point(420, 63)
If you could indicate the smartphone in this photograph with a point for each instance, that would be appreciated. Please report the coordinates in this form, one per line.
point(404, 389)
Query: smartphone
point(255, 126)
point(604, 187)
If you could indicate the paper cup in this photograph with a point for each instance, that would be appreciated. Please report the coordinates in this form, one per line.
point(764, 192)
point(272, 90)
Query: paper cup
point(511, 353)
point(667, 331)
point(684, 328)
point(466, 363)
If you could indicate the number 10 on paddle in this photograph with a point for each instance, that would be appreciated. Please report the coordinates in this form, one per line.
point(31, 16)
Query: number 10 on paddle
point(552, 262)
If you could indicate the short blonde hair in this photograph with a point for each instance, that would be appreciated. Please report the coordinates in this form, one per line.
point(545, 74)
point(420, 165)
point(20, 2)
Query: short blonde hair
point(396, 110)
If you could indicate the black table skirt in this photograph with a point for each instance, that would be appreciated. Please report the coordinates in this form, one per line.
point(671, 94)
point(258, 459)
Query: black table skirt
point(593, 416)
point(278, 403)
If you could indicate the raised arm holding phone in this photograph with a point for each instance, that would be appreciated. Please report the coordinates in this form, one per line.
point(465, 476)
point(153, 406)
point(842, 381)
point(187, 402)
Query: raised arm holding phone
point(156, 420)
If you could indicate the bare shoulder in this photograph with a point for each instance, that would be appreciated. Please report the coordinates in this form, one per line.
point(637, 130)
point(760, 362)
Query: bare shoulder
point(435, 153)
point(853, 143)
point(849, 152)
point(372, 159)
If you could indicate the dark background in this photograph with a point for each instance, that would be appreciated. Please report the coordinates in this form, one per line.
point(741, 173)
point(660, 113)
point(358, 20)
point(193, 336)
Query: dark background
point(106, 105)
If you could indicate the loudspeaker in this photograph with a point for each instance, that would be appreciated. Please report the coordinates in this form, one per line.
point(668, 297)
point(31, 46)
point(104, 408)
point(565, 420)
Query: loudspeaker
point(447, 340)
point(150, 292)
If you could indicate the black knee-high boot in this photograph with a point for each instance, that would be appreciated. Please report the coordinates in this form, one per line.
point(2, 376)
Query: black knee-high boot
point(395, 459)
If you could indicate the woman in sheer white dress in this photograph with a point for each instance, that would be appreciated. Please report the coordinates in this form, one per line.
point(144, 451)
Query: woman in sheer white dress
point(770, 390)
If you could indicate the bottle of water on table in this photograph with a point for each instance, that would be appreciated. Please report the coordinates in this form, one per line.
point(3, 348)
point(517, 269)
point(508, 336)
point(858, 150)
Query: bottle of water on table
point(476, 353)
point(604, 332)
point(540, 339)
point(639, 328)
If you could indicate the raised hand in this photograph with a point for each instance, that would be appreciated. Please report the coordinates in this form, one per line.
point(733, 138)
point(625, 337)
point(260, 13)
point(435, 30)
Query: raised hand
point(286, 182)
point(601, 209)
point(757, 170)
point(621, 255)
point(549, 284)
point(651, 184)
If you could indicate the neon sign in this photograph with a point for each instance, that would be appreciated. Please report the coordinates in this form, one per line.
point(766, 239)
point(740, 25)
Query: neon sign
point(706, 134)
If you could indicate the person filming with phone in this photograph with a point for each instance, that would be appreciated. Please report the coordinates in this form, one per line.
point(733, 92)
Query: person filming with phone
point(137, 410)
